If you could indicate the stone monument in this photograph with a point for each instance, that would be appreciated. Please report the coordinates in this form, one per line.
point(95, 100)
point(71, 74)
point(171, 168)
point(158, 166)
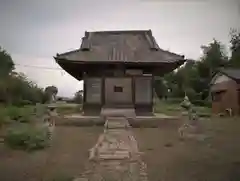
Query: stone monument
point(191, 125)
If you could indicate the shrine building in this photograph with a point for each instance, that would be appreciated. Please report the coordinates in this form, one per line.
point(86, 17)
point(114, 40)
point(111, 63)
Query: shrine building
point(118, 69)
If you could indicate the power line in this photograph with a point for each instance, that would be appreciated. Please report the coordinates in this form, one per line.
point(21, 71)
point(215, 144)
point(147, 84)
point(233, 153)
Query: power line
point(38, 67)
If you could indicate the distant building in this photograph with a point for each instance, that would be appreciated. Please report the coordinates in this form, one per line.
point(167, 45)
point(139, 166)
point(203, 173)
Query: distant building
point(225, 91)
point(117, 68)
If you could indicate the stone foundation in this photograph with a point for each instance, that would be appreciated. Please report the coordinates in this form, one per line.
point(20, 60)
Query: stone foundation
point(158, 120)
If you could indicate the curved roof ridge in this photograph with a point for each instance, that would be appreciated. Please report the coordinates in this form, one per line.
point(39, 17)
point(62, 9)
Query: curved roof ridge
point(120, 31)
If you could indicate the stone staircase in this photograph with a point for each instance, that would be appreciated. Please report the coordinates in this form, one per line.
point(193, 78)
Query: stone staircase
point(115, 155)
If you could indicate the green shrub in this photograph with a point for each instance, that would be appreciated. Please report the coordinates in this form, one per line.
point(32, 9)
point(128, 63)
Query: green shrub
point(202, 103)
point(23, 114)
point(21, 102)
point(25, 102)
point(26, 114)
point(13, 112)
point(174, 100)
point(4, 118)
point(208, 104)
point(27, 138)
point(25, 118)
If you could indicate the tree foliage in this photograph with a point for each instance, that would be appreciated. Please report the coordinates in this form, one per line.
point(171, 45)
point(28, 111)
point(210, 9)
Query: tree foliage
point(213, 57)
point(193, 78)
point(15, 88)
point(160, 87)
point(6, 63)
point(235, 49)
point(50, 93)
point(78, 97)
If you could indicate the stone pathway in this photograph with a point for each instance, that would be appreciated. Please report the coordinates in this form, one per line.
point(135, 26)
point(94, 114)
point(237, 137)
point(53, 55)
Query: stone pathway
point(115, 156)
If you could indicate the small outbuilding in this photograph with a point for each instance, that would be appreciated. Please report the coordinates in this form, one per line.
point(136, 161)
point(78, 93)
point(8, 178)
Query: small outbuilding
point(225, 91)
point(118, 68)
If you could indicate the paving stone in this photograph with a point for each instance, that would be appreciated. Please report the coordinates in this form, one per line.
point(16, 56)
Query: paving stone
point(80, 179)
point(116, 154)
point(107, 156)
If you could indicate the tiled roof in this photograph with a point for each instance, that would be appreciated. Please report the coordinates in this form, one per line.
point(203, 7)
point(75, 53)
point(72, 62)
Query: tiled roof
point(231, 72)
point(120, 46)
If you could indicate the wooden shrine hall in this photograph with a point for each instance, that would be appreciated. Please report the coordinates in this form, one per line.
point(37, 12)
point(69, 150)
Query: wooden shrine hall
point(118, 68)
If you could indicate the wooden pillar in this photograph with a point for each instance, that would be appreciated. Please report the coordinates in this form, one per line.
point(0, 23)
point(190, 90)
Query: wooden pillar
point(91, 107)
point(152, 87)
point(84, 92)
point(84, 89)
point(133, 91)
point(103, 91)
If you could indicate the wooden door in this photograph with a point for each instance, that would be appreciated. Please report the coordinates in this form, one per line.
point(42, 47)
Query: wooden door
point(118, 91)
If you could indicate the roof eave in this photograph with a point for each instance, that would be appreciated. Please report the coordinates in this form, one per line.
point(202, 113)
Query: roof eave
point(57, 59)
point(168, 66)
point(66, 53)
point(220, 70)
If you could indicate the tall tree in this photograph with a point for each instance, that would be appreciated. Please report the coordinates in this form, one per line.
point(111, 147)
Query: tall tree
point(183, 79)
point(6, 67)
point(214, 56)
point(51, 92)
point(78, 97)
point(194, 77)
point(6, 63)
point(15, 88)
point(160, 87)
point(235, 48)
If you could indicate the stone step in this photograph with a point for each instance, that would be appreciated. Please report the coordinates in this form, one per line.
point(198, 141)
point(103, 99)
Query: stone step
point(109, 156)
point(80, 179)
point(119, 120)
point(111, 145)
point(110, 163)
point(116, 132)
point(114, 123)
point(113, 150)
point(116, 152)
point(128, 112)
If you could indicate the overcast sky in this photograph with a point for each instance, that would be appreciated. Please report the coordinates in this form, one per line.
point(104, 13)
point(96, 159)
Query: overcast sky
point(33, 31)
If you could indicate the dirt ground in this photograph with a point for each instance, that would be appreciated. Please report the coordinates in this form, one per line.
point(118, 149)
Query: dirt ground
point(215, 159)
point(64, 159)
point(167, 158)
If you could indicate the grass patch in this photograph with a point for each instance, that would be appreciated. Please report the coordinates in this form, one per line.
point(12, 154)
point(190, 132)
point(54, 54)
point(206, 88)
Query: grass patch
point(26, 137)
point(19, 114)
point(166, 107)
point(69, 108)
point(170, 108)
point(4, 118)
